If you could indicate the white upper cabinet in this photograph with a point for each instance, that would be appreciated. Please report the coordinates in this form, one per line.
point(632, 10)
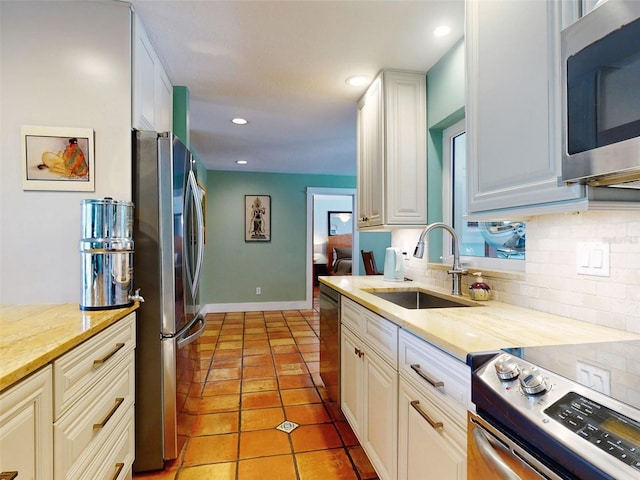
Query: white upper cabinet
point(514, 113)
point(152, 89)
point(513, 105)
point(392, 158)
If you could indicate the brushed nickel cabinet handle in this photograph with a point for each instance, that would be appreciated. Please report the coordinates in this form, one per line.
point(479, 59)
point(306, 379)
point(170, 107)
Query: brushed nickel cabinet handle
point(436, 383)
point(108, 355)
point(437, 425)
point(8, 475)
point(98, 426)
point(119, 467)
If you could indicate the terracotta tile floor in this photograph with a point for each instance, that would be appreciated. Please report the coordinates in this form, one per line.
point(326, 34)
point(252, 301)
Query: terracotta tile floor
point(259, 369)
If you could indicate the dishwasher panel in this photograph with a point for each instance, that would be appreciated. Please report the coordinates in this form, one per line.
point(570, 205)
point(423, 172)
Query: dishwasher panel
point(330, 341)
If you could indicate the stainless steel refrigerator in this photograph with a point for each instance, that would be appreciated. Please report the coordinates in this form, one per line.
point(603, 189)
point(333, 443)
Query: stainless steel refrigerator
point(169, 242)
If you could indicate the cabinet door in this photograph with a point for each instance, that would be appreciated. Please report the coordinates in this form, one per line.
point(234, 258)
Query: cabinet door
point(144, 71)
point(513, 105)
point(406, 148)
point(26, 433)
point(152, 89)
point(423, 447)
point(164, 100)
point(351, 379)
point(370, 164)
point(380, 407)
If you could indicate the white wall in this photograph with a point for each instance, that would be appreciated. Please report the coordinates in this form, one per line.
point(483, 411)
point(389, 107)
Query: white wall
point(63, 64)
point(550, 282)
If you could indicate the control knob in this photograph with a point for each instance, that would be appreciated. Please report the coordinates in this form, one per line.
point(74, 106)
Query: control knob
point(507, 368)
point(532, 381)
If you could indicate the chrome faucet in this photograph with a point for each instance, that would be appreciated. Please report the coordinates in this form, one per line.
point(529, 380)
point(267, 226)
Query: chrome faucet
point(457, 269)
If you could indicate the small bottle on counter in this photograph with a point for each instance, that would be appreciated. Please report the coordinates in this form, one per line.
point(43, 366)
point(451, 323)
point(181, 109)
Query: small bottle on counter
point(479, 290)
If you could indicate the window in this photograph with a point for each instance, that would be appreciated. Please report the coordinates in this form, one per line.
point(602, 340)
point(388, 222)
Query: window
point(499, 245)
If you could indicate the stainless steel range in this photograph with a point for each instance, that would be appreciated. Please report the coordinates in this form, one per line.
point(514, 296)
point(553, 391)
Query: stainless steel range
point(561, 412)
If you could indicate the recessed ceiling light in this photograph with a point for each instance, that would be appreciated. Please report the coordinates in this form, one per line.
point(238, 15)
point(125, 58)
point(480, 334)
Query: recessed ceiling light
point(241, 162)
point(441, 31)
point(358, 80)
point(239, 121)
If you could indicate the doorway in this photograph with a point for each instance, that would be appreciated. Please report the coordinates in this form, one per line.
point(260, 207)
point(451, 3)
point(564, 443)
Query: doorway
point(321, 201)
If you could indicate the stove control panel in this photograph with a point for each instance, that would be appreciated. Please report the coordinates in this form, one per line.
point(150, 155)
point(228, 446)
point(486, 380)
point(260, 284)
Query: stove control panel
point(595, 426)
point(611, 432)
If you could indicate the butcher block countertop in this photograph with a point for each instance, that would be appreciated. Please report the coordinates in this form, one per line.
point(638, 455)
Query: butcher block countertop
point(32, 336)
point(491, 325)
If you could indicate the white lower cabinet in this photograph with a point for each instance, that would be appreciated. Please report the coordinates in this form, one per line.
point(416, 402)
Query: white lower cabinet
point(431, 443)
point(369, 389)
point(74, 418)
point(95, 390)
point(405, 399)
point(26, 434)
point(434, 394)
point(351, 391)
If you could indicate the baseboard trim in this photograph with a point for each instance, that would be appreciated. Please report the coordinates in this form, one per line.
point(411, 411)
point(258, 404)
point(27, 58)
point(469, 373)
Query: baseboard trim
point(256, 306)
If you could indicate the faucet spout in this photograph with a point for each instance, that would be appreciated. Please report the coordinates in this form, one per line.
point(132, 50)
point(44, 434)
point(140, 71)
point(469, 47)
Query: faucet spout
point(456, 269)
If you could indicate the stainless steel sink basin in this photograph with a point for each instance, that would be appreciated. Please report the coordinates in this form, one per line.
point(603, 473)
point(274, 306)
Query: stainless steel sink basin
point(418, 299)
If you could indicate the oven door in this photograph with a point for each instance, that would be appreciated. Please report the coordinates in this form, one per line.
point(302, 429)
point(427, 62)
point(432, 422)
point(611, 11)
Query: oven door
point(491, 454)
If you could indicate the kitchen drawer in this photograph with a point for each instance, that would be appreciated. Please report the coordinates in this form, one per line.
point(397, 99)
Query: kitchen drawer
point(90, 420)
point(351, 315)
point(112, 460)
point(379, 333)
point(426, 365)
point(75, 372)
point(382, 336)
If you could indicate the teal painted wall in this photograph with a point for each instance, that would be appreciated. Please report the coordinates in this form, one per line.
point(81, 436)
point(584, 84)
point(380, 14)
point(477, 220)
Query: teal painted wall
point(181, 115)
point(232, 268)
point(445, 106)
point(377, 242)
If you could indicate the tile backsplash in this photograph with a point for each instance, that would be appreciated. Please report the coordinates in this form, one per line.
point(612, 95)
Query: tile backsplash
point(550, 282)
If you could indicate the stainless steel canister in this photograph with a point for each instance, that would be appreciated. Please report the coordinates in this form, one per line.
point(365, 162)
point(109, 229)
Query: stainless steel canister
point(106, 251)
point(107, 218)
point(107, 273)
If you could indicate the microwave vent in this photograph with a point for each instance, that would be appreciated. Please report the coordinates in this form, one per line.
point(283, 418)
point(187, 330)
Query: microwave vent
point(620, 180)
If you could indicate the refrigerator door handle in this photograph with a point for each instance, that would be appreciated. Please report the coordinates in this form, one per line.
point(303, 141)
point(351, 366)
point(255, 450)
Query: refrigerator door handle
point(192, 196)
point(188, 336)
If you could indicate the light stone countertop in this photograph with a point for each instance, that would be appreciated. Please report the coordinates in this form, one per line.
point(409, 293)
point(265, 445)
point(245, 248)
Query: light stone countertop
point(491, 325)
point(32, 336)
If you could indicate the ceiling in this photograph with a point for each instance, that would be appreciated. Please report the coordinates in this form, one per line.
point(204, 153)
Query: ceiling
point(282, 65)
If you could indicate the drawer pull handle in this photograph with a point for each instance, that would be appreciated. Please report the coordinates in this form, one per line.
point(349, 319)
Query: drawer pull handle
point(108, 355)
point(98, 426)
point(358, 352)
point(119, 467)
point(8, 475)
point(436, 383)
point(437, 425)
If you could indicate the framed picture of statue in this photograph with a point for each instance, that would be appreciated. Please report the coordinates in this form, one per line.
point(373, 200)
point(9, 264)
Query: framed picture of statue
point(58, 158)
point(257, 218)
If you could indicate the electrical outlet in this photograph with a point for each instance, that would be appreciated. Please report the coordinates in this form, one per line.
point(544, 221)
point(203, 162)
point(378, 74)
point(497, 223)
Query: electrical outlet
point(258, 291)
point(594, 377)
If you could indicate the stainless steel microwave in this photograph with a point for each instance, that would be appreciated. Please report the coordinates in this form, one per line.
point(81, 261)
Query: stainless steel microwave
point(601, 96)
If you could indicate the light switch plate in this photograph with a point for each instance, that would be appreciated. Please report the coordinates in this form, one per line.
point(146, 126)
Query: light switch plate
point(592, 258)
point(594, 377)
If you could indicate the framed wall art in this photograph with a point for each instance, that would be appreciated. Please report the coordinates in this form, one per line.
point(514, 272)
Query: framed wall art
point(257, 218)
point(58, 158)
point(339, 223)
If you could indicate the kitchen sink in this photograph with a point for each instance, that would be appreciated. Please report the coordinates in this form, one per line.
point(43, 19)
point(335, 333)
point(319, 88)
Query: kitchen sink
point(418, 299)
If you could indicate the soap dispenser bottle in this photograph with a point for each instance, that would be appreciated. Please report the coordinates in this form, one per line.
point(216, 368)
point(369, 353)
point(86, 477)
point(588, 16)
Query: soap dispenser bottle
point(479, 290)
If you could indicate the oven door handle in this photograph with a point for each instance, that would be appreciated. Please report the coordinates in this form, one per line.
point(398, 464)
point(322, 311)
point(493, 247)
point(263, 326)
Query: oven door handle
point(489, 454)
